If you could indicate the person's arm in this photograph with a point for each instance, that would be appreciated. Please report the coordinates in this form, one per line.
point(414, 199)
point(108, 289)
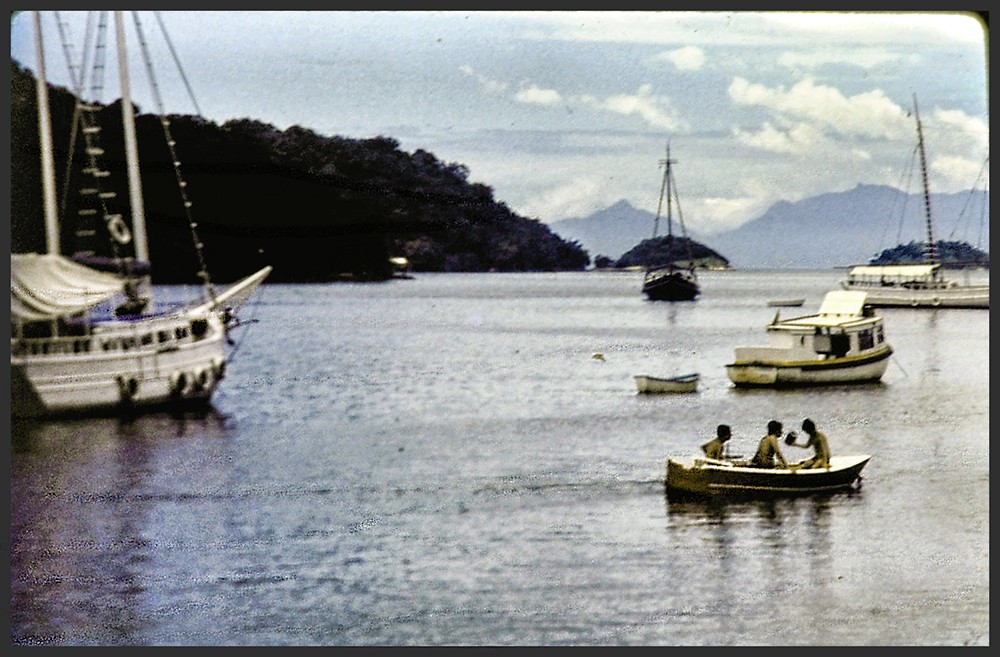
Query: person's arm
point(779, 455)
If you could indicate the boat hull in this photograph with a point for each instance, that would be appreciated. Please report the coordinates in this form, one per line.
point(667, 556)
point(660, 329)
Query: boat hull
point(680, 384)
point(714, 478)
point(670, 286)
point(897, 296)
point(118, 368)
point(867, 368)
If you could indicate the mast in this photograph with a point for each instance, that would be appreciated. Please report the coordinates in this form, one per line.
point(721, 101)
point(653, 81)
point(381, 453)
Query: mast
point(664, 191)
point(131, 150)
point(930, 251)
point(45, 141)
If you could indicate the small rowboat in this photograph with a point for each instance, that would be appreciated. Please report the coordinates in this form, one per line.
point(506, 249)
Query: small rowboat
point(712, 477)
point(683, 383)
point(786, 303)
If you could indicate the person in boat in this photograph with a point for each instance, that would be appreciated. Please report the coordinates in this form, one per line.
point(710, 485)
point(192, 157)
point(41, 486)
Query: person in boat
point(768, 450)
point(715, 447)
point(817, 440)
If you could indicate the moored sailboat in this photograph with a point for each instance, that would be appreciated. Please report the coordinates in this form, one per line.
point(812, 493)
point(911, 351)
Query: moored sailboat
point(86, 336)
point(918, 285)
point(672, 281)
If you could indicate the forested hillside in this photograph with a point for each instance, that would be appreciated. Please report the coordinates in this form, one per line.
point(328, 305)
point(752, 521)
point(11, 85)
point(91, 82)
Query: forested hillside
point(315, 207)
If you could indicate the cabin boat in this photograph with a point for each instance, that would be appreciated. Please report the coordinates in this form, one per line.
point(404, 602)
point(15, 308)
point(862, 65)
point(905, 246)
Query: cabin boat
point(842, 343)
point(734, 478)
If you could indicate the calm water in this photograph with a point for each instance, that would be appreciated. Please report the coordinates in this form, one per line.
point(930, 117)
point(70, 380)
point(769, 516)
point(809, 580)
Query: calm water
point(442, 461)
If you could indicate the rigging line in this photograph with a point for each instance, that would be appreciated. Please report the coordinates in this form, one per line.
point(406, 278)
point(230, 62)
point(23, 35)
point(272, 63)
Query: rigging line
point(968, 199)
point(171, 144)
point(177, 61)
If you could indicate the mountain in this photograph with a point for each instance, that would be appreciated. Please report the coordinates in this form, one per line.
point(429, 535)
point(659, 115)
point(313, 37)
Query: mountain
point(609, 232)
point(829, 230)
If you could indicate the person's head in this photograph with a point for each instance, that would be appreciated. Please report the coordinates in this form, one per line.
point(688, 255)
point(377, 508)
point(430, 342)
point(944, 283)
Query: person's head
point(723, 432)
point(809, 426)
point(774, 428)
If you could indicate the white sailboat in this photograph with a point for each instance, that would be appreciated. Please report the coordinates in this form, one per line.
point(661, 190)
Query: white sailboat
point(921, 285)
point(82, 339)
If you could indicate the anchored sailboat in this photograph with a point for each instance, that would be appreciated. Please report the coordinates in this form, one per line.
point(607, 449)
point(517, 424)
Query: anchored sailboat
point(921, 285)
point(671, 281)
point(83, 337)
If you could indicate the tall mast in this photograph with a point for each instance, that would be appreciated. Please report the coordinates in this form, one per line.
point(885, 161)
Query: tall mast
point(45, 141)
point(131, 150)
point(664, 192)
point(930, 251)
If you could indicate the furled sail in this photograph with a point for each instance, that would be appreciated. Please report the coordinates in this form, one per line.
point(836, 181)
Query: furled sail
point(46, 286)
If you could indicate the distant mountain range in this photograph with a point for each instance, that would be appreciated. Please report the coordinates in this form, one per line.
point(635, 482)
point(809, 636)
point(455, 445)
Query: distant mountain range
point(825, 231)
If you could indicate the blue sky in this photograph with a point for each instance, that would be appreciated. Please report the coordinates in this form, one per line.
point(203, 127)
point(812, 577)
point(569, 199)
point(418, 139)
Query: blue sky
point(566, 113)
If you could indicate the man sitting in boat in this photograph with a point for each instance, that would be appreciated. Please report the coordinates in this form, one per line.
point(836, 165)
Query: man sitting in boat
point(714, 448)
point(768, 450)
point(816, 440)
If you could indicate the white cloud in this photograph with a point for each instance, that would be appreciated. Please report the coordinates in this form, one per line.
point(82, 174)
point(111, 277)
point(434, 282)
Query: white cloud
point(865, 58)
point(654, 110)
point(535, 95)
point(489, 85)
point(871, 114)
point(688, 58)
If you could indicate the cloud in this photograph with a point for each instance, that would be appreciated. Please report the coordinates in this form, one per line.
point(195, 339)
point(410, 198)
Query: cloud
point(489, 85)
point(535, 95)
point(871, 114)
point(654, 110)
point(799, 139)
point(865, 58)
point(688, 58)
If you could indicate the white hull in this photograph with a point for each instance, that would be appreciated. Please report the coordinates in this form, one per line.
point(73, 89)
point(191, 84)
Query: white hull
point(956, 296)
point(651, 384)
point(820, 372)
point(843, 343)
point(112, 370)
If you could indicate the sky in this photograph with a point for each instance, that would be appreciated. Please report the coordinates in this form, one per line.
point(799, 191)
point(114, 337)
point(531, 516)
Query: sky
point(564, 113)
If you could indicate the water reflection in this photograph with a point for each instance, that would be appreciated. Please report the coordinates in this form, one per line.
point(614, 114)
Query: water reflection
point(80, 514)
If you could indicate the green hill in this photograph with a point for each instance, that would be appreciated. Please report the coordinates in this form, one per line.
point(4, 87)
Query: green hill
point(315, 207)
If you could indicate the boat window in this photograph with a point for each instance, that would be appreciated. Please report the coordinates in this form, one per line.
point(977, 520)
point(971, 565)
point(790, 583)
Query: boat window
point(162, 336)
point(879, 335)
point(866, 339)
point(147, 339)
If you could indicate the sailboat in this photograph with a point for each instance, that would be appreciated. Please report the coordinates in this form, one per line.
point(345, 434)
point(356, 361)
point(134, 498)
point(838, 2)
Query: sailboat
point(921, 285)
point(671, 281)
point(85, 339)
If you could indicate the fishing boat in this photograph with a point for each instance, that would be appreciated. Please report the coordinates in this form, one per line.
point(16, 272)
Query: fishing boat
point(676, 280)
point(844, 342)
point(919, 285)
point(87, 337)
point(693, 475)
point(651, 384)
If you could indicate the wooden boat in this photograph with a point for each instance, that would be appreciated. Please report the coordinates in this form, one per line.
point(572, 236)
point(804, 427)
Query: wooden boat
point(843, 343)
point(673, 281)
point(919, 285)
point(694, 475)
point(786, 303)
point(652, 384)
point(70, 354)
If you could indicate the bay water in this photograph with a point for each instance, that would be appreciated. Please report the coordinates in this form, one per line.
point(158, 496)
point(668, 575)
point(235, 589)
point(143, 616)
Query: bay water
point(463, 459)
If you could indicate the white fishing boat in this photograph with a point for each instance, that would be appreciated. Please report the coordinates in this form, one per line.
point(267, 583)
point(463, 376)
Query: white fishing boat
point(87, 340)
point(842, 343)
point(651, 384)
point(919, 285)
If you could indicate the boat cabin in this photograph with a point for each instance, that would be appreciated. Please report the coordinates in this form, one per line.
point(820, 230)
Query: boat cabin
point(913, 277)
